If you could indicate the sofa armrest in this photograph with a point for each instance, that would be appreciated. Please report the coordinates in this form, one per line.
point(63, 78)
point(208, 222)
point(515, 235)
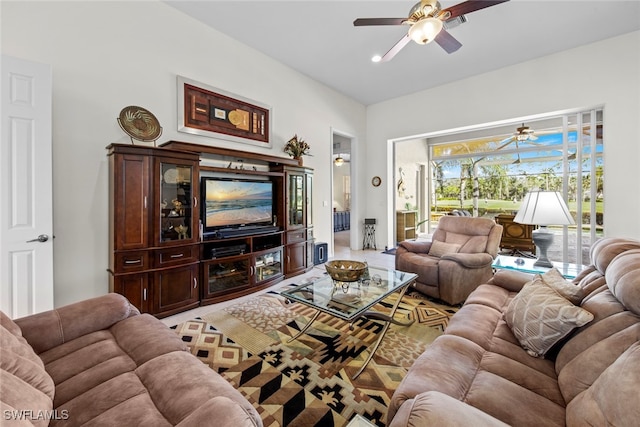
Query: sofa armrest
point(477, 260)
point(510, 280)
point(416, 246)
point(433, 408)
point(51, 328)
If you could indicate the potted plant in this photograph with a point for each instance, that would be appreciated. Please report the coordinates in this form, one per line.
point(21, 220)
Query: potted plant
point(296, 148)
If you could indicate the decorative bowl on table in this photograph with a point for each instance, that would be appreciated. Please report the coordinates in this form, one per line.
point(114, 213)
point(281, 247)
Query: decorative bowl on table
point(345, 271)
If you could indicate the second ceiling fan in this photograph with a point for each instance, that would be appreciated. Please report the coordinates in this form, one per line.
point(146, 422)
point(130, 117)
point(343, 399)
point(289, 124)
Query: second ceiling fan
point(426, 23)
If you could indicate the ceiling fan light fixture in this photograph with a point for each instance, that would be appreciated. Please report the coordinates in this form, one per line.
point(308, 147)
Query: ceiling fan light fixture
point(425, 30)
point(338, 161)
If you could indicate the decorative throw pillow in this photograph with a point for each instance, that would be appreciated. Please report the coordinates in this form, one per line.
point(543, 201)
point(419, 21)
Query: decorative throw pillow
point(439, 248)
point(554, 279)
point(539, 317)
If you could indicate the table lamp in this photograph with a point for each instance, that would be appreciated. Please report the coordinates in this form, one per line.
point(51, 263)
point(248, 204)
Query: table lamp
point(543, 208)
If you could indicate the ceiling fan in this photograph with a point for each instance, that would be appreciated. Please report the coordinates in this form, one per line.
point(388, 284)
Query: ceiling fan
point(427, 23)
point(524, 133)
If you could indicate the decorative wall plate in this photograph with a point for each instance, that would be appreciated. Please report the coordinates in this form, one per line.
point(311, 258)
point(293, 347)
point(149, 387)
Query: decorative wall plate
point(139, 124)
point(171, 176)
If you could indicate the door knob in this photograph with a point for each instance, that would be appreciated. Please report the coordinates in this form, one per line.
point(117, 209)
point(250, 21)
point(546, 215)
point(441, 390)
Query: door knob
point(41, 238)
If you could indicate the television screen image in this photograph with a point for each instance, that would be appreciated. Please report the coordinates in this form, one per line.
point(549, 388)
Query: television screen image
point(231, 203)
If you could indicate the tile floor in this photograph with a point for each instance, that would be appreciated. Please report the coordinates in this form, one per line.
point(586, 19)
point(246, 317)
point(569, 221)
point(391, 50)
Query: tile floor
point(342, 251)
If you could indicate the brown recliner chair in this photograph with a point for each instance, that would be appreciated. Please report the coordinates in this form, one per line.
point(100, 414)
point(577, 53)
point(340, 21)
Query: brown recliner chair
point(456, 261)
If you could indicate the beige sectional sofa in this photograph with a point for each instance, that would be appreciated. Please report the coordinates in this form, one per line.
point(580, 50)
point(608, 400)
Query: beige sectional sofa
point(479, 373)
point(100, 362)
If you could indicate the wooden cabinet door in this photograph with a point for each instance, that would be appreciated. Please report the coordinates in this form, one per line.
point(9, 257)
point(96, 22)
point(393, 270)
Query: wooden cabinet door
point(130, 199)
point(175, 289)
point(135, 287)
point(295, 258)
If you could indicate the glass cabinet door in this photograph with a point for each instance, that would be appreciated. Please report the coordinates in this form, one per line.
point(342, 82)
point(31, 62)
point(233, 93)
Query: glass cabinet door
point(227, 276)
point(296, 200)
point(176, 202)
point(268, 265)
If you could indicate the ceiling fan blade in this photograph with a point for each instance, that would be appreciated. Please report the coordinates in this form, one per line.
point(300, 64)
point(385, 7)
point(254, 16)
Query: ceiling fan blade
point(447, 41)
point(360, 22)
point(396, 48)
point(505, 142)
point(470, 6)
point(517, 162)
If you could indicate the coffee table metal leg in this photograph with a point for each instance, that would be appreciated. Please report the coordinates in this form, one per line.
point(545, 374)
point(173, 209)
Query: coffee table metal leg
point(303, 330)
point(388, 319)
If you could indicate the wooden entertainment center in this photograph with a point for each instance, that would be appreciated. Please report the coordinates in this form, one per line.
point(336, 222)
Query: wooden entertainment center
point(159, 258)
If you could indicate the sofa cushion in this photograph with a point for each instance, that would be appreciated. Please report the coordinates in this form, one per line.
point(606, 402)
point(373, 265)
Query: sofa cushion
point(539, 317)
point(472, 234)
point(554, 279)
point(24, 383)
point(93, 359)
point(180, 385)
point(612, 400)
point(425, 266)
point(438, 248)
point(138, 372)
point(624, 281)
point(442, 410)
point(52, 328)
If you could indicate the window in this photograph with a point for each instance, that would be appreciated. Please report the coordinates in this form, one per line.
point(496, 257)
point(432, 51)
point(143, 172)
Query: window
point(487, 171)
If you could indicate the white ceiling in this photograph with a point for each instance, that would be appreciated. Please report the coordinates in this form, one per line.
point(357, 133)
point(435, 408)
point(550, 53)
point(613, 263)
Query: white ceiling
point(318, 38)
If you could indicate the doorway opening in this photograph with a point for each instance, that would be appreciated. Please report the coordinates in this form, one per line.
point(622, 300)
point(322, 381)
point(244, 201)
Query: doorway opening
point(341, 192)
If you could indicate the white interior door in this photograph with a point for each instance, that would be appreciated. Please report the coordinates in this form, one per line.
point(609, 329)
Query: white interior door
point(26, 202)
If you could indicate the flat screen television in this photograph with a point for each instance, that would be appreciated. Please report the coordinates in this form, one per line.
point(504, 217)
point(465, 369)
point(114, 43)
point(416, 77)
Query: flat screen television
point(232, 203)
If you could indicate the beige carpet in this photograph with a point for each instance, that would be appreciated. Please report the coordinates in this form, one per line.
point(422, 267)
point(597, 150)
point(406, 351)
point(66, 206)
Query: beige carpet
point(308, 382)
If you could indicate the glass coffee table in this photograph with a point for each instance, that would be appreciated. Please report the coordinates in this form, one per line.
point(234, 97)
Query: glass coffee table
point(351, 301)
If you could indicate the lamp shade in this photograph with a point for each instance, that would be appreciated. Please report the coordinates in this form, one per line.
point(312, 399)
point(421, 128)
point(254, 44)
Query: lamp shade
point(544, 208)
point(425, 30)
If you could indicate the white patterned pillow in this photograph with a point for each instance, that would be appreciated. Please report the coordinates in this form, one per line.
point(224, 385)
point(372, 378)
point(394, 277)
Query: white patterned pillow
point(539, 317)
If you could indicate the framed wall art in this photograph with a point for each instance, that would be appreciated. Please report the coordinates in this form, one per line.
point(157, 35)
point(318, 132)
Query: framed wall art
point(209, 111)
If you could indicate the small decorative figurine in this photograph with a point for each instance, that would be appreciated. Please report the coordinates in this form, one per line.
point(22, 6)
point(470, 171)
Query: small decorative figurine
point(182, 231)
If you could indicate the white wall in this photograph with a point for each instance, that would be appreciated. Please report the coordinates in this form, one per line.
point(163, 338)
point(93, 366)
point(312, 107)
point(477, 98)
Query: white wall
point(107, 55)
point(605, 73)
point(408, 156)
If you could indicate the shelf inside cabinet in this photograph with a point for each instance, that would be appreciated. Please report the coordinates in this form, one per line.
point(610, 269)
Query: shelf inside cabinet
point(269, 241)
point(215, 249)
point(223, 276)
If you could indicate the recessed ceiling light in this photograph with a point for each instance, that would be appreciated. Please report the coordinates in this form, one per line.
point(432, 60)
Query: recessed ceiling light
point(376, 58)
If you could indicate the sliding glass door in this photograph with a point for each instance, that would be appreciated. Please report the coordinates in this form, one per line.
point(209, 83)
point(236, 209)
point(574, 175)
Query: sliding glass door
point(487, 172)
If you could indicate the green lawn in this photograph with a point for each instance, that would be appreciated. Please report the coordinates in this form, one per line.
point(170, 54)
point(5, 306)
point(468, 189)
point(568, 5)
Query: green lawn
point(496, 206)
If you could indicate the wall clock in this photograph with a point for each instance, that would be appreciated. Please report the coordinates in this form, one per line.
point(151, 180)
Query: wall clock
point(376, 181)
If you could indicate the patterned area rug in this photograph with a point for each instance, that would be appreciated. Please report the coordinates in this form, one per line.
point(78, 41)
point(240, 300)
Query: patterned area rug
point(307, 382)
